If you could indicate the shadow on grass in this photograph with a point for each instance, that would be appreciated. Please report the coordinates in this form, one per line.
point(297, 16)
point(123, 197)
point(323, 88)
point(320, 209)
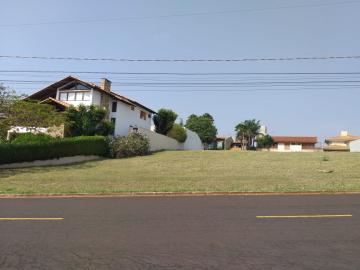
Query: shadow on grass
point(4, 173)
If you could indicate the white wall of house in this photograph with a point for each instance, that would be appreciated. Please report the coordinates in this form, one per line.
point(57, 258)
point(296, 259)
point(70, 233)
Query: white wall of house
point(95, 97)
point(125, 118)
point(355, 146)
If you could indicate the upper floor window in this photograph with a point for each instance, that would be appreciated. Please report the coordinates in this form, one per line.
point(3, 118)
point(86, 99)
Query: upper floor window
point(114, 106)
point(132, 108)
point(143, 115)
point(74, 96)
point(74, 86)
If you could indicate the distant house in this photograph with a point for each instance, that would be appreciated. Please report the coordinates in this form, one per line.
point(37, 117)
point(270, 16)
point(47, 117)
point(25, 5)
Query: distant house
point(122, 111)
point(293, 144)
point(341, 142)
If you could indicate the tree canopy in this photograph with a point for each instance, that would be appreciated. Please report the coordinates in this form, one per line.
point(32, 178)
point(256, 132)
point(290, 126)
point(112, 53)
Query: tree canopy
point(164, 121)
point(204, 126)
point(30, 114)
point(178, 132)
point(87, 121)
point(246, 132)
point(265, 141)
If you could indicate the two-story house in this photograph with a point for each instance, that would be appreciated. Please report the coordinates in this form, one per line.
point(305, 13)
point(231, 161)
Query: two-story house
point(122, 111)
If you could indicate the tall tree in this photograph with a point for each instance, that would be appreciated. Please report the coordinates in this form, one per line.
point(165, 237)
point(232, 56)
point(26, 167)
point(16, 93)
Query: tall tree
point(247, 132)
point(164, 121)
point(204, 126)
point(264, 141)
point(7, 97)
point(17, 112)
point(87, 121)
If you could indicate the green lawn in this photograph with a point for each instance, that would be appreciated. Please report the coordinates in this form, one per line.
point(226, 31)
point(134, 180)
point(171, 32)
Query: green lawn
point(192, 171)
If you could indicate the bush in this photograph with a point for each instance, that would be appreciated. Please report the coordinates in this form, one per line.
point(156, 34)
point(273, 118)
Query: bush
point(134, 144)
point(178, 133)
point(20, 152)
point(24, 138)
point(164, 121)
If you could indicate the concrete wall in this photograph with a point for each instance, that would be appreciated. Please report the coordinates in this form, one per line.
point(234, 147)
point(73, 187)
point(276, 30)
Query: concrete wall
point(159, 141)
point(126, 118)
point(55, 131)
point(192, 142)
point(355, 146)
point(162, 142)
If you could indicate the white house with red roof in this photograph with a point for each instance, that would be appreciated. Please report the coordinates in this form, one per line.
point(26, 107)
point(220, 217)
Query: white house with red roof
point(294, 144)
point(122, 111)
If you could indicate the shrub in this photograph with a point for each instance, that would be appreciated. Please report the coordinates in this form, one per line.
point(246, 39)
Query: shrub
point(178, 133)
point(164, 121)
point(87, 121)
point(24, 138)
point(134, 144)
point(20, 152)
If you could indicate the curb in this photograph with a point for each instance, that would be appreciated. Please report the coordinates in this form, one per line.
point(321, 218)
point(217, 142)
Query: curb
point(171, 194)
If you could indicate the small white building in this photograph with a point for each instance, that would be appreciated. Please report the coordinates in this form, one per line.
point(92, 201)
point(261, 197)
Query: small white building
point(355, 146)
point(122, 111)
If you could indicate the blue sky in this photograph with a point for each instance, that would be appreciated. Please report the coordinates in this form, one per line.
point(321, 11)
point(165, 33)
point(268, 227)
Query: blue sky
point(275, 31)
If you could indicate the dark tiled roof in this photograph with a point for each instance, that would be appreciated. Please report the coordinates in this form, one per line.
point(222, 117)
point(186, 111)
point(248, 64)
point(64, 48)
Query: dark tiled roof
point(53, 100)
point(294, 139)
point(50, 91)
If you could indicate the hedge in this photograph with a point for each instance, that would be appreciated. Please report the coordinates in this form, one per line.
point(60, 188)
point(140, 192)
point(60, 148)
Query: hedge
point(67, 147)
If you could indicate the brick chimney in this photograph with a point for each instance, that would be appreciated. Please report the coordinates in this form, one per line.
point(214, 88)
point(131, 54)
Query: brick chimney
point(105, 84)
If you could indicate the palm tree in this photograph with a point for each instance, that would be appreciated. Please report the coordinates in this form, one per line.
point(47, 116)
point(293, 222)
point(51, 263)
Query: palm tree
point(247, 132)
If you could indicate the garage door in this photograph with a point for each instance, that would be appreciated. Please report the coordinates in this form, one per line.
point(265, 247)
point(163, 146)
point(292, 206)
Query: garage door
point(295, 147)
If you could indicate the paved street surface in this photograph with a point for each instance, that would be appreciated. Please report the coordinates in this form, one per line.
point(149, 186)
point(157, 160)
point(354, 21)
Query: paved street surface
point(211, 232)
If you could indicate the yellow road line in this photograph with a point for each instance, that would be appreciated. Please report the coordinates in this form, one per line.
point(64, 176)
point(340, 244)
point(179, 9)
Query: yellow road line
point(36, 219)
point(307, 216)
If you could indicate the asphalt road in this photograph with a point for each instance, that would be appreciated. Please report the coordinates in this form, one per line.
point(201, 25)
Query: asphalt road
point(211, 232)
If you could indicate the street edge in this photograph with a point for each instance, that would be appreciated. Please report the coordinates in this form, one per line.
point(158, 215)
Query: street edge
point(171, 194)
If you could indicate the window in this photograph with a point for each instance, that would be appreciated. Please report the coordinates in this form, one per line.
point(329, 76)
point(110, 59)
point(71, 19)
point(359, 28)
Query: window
point(143, 115)
point(149, 115)
point(63, 96)
point(114, 106)
point(79, 96)
point(132, 108)
point(113, 120)
point(78, 87)
point(86, 96)
point(71, 96)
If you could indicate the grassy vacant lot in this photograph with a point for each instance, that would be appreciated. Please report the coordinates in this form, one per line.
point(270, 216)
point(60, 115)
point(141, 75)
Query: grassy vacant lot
point(202, 171)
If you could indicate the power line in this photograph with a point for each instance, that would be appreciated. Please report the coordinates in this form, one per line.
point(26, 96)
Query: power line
point(178, 73)
point(237, 90)
point(200, 83)
point(180, 14)
point(183, 60)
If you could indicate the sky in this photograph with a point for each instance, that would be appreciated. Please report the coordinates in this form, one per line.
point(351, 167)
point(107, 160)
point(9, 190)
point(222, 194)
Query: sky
point(179, 29)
